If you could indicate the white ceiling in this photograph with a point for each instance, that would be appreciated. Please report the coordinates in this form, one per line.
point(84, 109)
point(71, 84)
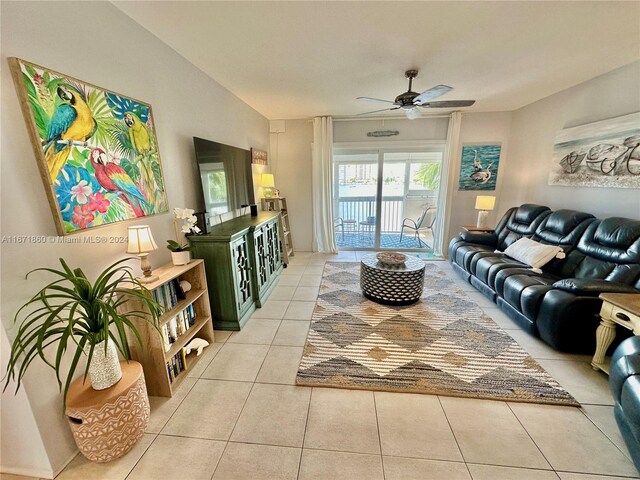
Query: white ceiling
point(301, 59)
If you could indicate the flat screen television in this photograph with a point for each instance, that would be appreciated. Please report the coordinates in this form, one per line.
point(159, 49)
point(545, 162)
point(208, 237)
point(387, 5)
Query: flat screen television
point(225, 175)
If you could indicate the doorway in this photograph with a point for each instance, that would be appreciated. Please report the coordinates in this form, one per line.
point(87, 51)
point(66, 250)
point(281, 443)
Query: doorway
point(387, 198)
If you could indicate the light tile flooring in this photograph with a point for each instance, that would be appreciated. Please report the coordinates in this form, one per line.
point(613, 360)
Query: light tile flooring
point(240, 416)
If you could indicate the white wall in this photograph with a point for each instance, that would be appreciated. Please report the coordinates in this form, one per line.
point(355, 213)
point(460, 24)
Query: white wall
point(96, 42)
point(22, 449)
point(479, 128)
point(409, 130)
point(290, 163)
point(533, 133)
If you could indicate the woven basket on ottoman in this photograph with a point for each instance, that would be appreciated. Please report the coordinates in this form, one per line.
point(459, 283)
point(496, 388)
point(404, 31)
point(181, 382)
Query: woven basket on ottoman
point(106, 424)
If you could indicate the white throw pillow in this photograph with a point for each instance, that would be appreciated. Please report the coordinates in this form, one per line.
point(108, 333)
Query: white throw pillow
point(534, 254)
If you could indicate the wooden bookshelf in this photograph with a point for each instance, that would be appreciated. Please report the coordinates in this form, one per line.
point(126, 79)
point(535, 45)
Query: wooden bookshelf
point(279, 204)
point(154, 356)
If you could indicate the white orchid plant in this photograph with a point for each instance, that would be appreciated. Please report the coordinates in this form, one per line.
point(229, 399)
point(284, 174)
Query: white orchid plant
point(184, 223)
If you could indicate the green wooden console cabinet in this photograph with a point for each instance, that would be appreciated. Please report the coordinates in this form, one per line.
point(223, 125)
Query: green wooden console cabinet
point(242, 261)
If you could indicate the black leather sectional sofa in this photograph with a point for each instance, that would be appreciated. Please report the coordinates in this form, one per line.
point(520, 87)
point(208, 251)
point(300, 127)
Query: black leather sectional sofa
point(560, 305)
point(625, 386)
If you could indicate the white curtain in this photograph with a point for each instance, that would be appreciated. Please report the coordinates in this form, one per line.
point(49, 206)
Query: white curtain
point(447, 185)
point(322, 186)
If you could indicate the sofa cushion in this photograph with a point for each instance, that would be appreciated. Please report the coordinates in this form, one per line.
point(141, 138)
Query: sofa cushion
point(563, 228)
point(486, 267)
point(519, 222)
point(465, 252)
point(534, 254)
point(525, 292)
point(609, 250)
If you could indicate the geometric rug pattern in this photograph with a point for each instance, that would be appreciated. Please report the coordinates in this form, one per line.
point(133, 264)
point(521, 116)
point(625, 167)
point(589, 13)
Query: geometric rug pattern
point(444, 344)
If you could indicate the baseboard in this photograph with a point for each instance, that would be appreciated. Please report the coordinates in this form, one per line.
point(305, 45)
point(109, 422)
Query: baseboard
point(28, 472)
point(34, 472)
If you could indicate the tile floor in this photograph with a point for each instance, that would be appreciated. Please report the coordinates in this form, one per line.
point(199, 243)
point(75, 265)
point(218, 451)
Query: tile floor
point(240, 416)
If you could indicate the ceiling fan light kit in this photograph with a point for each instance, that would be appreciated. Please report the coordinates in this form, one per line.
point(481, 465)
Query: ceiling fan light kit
point(409, 101)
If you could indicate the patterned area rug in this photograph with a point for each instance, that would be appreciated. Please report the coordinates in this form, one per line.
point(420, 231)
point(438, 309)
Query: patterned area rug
point(444, 345)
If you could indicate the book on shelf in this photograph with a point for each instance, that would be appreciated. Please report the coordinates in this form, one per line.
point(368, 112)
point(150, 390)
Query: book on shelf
point(177, 326)
point(168, 294)
point(176, 365)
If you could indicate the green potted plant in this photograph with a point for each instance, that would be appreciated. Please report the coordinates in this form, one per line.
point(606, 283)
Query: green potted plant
point(180, 252)
point(81, 317)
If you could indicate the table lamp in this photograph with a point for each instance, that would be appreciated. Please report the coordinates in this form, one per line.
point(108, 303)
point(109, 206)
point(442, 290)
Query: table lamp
point(268, 183)
point(484, 203)
point(141, 243)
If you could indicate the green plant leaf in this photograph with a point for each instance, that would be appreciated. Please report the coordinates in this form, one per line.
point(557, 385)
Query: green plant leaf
point(28, 84)
point(157, 175)
point(131, 169)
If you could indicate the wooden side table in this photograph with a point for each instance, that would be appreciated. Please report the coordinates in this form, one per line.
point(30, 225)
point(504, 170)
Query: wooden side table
point(617, 309)
point(106, 424)
point(473, 228)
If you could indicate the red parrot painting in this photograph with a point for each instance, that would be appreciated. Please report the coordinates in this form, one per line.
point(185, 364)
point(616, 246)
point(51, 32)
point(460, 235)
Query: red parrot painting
point(114, 178)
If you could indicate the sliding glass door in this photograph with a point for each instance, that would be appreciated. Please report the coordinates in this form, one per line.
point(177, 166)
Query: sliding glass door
point(355, 202)
point(386, 199)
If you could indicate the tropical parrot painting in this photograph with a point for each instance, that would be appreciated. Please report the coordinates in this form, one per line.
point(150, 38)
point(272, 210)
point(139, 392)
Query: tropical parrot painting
point(71, 120)
point(97, 150)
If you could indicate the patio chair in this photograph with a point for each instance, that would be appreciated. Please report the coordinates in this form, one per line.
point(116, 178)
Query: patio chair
point(340, 223)
point(425, 222)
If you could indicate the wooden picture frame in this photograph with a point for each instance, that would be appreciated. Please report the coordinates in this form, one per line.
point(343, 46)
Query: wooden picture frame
point(259, 157)
point(96, 150)
point(599, 154)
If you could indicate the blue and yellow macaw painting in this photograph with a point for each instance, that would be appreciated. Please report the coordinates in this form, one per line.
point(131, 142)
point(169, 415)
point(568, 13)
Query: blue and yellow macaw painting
point(99, 152)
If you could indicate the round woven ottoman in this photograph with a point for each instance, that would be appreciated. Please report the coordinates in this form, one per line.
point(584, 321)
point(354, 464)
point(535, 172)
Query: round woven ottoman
point(106, 424)
point(392, 285)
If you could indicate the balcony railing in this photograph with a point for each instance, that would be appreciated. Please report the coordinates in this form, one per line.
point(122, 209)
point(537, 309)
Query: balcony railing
point(361, 209)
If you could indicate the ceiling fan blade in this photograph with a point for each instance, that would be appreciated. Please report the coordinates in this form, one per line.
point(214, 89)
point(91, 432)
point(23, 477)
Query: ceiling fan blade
point(449, 104)
point(433, 92)
point(376, 111)
point(370, 99)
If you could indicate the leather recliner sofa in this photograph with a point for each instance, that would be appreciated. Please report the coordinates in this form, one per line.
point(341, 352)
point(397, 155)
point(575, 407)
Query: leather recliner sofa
point(625, 386)
point(561, 304)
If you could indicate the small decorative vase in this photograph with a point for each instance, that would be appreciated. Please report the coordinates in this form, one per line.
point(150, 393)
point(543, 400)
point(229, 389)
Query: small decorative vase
point(104, 369)
point(181, 258)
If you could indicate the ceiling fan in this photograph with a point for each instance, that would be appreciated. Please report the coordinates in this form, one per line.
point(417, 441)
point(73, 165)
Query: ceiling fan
point(410, 101)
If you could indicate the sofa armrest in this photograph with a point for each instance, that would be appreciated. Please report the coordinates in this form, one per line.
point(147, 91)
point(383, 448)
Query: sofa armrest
point(482, 238)
point(592, 288)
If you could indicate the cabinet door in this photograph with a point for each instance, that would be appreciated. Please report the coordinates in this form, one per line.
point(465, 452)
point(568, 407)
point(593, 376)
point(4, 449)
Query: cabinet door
point(242, 274)
point(260, 242)
point(274, 258)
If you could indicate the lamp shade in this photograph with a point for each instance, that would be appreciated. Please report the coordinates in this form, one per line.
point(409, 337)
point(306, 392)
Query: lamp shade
point(485, 202)
point(267, 180)
point(141, 240)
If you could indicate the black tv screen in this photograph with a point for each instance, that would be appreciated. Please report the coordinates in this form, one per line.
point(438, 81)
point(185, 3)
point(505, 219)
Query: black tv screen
point(225, 175)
